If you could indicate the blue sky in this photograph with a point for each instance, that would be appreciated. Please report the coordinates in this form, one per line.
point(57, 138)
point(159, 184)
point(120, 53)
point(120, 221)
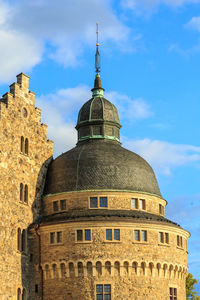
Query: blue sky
point(150, 58)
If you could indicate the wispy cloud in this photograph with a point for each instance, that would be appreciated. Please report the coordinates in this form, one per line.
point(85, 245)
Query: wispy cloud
point(67, 27)
point(194, 23)
point(151, 6)
point(162, 155)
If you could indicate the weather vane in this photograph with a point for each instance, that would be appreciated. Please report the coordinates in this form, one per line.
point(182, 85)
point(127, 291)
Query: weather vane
point(97, 55)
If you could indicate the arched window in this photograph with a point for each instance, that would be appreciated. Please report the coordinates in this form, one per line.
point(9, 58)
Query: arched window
point(80, 269)
point(23, 240)
point(99, 268)
point(54, 268)
point(117, 268)
point(151, 266)
point(21, 192)
point(26, 193)
point(26, 146)
point(108, 267)
point(47, 271)
point(126, 265)
point(62, 270)
point(143, 266)
point(71, 270)
point(134, 267)
point(89, 268)
point(22, 144)
point(19, 240)
point(158, 267)
point(19, 294)
point(24, 294)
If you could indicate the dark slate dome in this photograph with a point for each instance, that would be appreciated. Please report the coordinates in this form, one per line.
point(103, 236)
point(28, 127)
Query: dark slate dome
point(100, 165)
point(98, 162)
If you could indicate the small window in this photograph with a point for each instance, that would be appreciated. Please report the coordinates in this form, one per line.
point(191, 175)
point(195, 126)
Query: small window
point(98, 202)
point(55, 206)
point(142, 204)
point(22, 144)
point(26, 146)
point(179, 241)
point(161, 209)
point(144, 235)
point(19, 239)
point(59, 237)
point(93, 202)
point(62, 204)
point(36, 288)
point(26, 193)
point(173, 293)
point(136, 235)
point(134, 203)
point(140, 235)
point(164, 237)
point(23, 241)
point(103, 292)
point(109, 234)
point(103, 202)
point(83, 235)
point(113, 234)
point(19, 294)
point(21, 192)
point(52, 237)
point(116, 234)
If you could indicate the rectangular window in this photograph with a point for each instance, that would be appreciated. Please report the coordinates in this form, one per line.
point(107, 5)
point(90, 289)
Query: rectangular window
point(87, 235)
point(144, 235)
point(109, 234)
point(103, 292)
point(59, 237)
point(173, 293)
point(52, 237)
point(161, 209)
point(161, 237)
point(116, 234)
point(136, 235)
point(79, 235)
point(55, 206)
point(166, 237)
point(93, 202)
point(62, 204)
point(142, 204)
point(103, 202)
point(179, 241)
point(83, 235)
point(134, 203)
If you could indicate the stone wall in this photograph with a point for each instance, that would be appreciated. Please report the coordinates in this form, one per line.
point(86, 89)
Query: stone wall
point(19, 120)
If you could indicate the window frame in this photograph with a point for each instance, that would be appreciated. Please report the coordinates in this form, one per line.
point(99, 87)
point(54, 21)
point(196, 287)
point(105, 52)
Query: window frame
point(113, 235)
point(140, 240)
point(165, 238)
point(83, 240)
point(179, 241)
point(142, 207)
point(99, 197)
point(173, 294)
point(103, 293)
point(55, 236)
point(161, 209)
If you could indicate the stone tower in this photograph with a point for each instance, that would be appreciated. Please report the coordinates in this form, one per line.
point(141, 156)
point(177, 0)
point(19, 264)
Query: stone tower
point(103, 233)
point(24, 157)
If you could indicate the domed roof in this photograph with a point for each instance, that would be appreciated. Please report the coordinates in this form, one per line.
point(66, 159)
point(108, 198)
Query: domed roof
point(100, 164)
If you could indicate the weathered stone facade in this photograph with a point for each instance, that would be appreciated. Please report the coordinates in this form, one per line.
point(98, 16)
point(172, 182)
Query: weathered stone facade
point(62, 242)
point(19, 118)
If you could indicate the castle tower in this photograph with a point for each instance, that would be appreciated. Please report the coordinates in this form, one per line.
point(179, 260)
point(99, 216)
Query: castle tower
point(103, 233)
point(24, 157)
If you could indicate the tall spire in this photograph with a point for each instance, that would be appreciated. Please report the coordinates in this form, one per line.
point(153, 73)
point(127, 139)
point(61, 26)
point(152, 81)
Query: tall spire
point(97, 90)
point(97, 55)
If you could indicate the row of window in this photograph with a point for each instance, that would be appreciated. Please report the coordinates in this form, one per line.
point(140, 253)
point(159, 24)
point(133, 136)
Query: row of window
point(85, 235)
point(102, 202)
point(24, 145)
point(24, 193)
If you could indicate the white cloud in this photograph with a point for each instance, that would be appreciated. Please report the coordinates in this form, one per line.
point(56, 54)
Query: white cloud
point(132, 109)
point(164, 156)
point(66, 27)
point(194, 23)
point(152, 5)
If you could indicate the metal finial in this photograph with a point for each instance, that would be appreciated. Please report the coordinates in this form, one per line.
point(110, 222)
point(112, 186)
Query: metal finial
point(97, 55)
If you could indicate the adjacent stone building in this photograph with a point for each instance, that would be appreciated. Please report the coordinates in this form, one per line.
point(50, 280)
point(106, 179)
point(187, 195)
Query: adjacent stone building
point(88, 225)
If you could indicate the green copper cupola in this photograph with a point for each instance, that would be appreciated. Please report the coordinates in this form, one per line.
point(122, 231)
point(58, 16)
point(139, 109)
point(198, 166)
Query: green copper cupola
point(98, 118)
